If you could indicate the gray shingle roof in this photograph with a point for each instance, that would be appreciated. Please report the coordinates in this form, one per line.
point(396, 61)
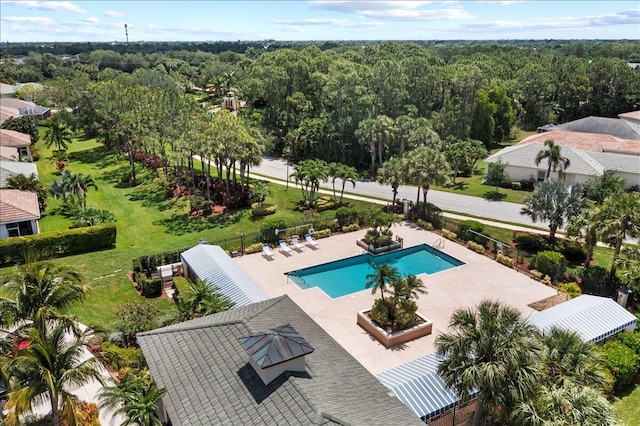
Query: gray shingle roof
point(600, 125)
point(206, 372)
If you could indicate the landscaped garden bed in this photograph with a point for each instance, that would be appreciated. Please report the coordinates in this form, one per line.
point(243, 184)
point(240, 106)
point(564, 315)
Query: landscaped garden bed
point(423, 327)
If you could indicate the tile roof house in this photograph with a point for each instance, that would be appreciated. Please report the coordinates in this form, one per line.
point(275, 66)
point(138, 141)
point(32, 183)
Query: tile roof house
point(9, 153)
point(590, 154)
point(25, 108)
point(19, 213)
point(599, 125)
point(14, 168)
point(14, 139)
point(208, 367)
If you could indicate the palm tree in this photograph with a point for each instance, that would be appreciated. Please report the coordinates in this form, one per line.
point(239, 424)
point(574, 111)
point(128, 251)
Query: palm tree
point(490, 352)
point(367, 136)
point(309, 173)
point(565, 405)
point(29, 183)
point(58, 134)
point(135, 396)
point(393, 173)
point(551, 152)
point(552, 202)
point(583, 226)
point(53, 362)
point(81, 184)
point(199, 300)
point(382, 275)
point(35, 285)
point(345, 174)
point(618, 217)
point(426, 166)
point(629, 263)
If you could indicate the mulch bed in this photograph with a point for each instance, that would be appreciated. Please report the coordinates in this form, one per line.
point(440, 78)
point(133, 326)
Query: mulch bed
point(543, 304)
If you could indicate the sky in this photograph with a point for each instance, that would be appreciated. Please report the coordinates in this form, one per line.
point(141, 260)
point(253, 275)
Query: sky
point(104, 21)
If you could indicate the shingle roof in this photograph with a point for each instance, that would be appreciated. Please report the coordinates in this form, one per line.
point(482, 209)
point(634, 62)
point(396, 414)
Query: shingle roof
point(206, 372)
point(16, 206)
point(586, 141)
point(13, 168)
point(214, 266)
point(13, 138)
point(594, 318)
point(600, 125)
point(419, 386)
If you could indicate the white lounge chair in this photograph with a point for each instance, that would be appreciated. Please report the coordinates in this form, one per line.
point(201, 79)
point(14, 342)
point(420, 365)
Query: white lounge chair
point(310, 241)
point(295, 242)
point(266, 251)
point(284, 247)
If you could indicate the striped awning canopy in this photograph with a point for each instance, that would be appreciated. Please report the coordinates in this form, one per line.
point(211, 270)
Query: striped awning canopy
point(214, 266)
point(419, 387)
point(593, 318)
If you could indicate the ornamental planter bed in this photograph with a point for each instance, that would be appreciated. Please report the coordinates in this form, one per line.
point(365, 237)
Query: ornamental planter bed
point(377, 250)
point(423, 328)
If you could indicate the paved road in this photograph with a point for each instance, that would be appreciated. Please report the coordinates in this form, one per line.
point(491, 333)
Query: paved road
point(463, 204)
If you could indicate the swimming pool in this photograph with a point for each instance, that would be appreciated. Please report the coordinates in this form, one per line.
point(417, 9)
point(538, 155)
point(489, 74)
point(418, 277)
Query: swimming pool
point(347, 276)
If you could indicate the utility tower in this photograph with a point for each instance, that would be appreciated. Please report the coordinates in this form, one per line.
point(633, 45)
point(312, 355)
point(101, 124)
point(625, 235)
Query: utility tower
point(126, 34)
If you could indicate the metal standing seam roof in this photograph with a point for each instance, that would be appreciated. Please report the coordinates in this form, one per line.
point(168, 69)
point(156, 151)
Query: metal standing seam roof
point(419, 386)
point(214, 266)
point(593, 318)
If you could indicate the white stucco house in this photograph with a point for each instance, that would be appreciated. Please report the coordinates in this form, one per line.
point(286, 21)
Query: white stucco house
point(19, 213)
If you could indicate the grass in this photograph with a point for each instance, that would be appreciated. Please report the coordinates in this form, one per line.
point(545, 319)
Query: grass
point(627, 408)
point(147, 223)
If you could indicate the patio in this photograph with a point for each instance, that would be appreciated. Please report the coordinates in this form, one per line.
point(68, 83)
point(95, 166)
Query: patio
point(461, 287)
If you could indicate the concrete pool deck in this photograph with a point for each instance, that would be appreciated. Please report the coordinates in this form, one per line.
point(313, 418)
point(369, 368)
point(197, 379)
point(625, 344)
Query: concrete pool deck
point(460, 287)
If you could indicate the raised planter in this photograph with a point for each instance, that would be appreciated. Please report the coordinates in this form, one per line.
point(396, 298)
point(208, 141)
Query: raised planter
point(377, 250)
point(397, 338)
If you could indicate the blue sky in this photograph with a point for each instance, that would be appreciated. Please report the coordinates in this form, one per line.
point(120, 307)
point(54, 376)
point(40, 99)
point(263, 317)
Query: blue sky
point(47, 21)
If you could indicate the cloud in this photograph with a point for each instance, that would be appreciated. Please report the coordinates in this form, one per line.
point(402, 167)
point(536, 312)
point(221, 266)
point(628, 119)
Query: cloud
point(631, 16)
point(361, 6)
point(394, 10)
point(341, 23)
point(113, 14)
point(501, 2)
point(291, 30)
point(51, 6)
point(418, 15)
point(37, 20)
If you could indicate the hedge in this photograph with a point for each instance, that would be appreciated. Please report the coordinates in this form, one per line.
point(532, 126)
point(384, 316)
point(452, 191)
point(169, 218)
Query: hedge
point(263, 209)
point(478, 248)
point(551, 263)
point(57, 244)
point(530, 243)
point(149, 263)
point(622, 362)
point(471, 225)
point(506, 260)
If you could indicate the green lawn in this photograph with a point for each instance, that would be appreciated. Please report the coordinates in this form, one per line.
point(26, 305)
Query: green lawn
point(627, 408)
point(147, 223)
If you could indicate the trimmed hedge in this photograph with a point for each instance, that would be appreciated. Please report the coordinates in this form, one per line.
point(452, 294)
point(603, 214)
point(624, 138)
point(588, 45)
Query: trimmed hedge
point(346, 216)
point(478, 248)
point(530, 243)
point(471, 225)
point(506, 260)
point(621, 361)
point(148, 263)
point(263, 209)
point(551, 263)
point(58, 244)
point(449, 235)
point(149, 287)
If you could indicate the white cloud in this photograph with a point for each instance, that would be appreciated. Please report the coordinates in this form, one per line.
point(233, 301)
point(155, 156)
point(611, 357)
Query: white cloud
point(113, 14)
point(326, 21)
point(501, 2)
point(37, 20)
point(52, 6)
point(291, 30)
point(418, 15)
point(394, 10)
point(360, 6)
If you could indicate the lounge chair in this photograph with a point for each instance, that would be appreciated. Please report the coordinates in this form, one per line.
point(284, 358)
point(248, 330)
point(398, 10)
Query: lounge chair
point(310, 241)
point(266, 251)
point(295, 242)
point(284, 247)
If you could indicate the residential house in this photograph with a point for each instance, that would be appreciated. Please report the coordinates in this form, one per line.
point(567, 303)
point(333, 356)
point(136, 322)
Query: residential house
point(19, 213)
point(19, 108)
point(15, 139)
point(265, 363)
point(14, 168)
point(9, 153)
point(621, 128)
point(590, 154)
point(8, 90)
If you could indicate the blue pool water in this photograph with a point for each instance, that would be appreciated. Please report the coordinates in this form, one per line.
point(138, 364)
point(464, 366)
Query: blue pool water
point(348, 276)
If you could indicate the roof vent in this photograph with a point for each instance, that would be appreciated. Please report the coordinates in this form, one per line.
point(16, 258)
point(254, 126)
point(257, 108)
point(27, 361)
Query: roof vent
point(275, 351)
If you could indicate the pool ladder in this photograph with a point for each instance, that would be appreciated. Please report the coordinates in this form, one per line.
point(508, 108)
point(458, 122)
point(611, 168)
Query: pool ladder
point(438, 244)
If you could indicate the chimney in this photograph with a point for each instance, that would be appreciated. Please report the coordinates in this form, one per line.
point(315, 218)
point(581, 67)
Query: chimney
point(275, 351)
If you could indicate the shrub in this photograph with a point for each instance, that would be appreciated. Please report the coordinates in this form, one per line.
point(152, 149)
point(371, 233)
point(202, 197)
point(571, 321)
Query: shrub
point(424, 224)
point(325, 203)
point(529, 243)
point(449, 235)
point(621, 361)
point(263, 209)
point(268, 228)
point(599, 277)
point(118, 357)
point(551, 263)
point(346, 216)
point(527, 185)
point(181, 284)
point(406, 314)
point(377, 238)
point(478, 248)
point(471, 225)
point(506, 260)
point(149, 287)
point(351, 228)
point(572, 289)
point(87, 413)
point(573, 251)
point(428, 212)
point(323, 233)
point(631, 340)
point(253, 248)
point(65, 243)
point(380, 312)
point(516, 185)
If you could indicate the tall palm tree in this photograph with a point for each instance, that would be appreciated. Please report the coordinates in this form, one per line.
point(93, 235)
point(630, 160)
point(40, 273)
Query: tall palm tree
point(491, 352)
point(584, 227)
point(58, 134)
point(555, 159)
point(618, 217)
point(393, 172)
point(565, 405)
point(136, 397)
point(366, 133)
point(382, 275)
point(35, 284)
point(426, 166)
point(199, 300)
point(54, 361)
point(81, 184)
point(346, 174)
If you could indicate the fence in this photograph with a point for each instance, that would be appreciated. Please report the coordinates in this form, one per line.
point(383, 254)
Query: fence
point(458, 415)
